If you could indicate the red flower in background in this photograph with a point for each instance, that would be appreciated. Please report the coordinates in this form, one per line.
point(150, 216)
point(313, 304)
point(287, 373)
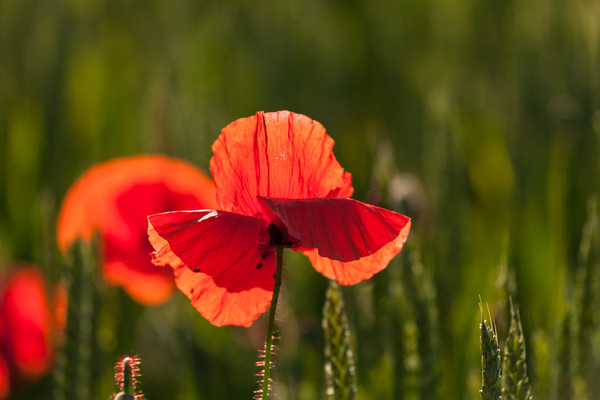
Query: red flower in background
point(114, 198)
point(25, 328)
point(278, 183)
point(4, 380)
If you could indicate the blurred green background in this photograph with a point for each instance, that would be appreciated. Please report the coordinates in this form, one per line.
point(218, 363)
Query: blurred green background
point(492, 107)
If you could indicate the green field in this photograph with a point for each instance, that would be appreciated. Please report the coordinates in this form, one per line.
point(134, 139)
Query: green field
point(479, 120)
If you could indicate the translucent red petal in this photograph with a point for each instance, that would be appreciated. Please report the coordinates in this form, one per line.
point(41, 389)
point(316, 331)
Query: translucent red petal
point(221, 262)
point(216, 303)
point(277, 155)
point(340, 229)
point(351, 272)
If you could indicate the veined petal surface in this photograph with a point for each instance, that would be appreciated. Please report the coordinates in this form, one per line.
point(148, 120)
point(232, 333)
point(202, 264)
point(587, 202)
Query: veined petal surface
point(340, 229)
point(221, 260)
point(352, 272)
point(276, 155)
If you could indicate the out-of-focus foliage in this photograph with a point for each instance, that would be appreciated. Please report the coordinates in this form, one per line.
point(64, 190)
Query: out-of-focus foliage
point(492, 108)
point(340, 373)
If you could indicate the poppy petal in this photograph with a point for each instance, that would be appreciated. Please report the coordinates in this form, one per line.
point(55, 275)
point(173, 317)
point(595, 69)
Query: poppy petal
point(24, 309)
point(4, 379)
point(346, 189)
point(277, 155)
point(114, 198)
point(340, 229)
point(151, 285)
point(215, 303)
point(88, 204)
point(220, 259)
point(351, 272)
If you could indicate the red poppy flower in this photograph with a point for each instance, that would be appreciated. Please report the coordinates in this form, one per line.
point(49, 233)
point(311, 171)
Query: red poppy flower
point(278, 183)
point(4, 380)
point(25, 322)
point(114, 198)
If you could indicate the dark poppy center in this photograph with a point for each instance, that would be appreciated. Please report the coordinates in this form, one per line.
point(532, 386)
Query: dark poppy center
point(275, 234)
point(277, 237)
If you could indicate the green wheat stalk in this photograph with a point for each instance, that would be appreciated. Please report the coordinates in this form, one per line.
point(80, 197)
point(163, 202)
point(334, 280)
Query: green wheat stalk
point(72, 374)
point(340, 372)
point(491, 369)
point(514, 372)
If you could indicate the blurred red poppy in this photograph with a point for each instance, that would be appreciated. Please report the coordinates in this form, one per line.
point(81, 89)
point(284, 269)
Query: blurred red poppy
point(4, 380)
point(278, 183)
point(25, 328)
point(114, 198)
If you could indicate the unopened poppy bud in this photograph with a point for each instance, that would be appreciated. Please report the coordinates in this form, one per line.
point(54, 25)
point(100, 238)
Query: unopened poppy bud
point(127, 370)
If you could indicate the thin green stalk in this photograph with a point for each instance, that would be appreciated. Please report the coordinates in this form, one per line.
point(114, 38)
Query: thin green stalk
point(127, 371)
point(271, 324)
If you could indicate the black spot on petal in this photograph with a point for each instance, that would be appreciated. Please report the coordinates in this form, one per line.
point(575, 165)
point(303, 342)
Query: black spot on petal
point(192, 291)
point(263, 255)
point(197, 270)
point(259, 266)
point(274, 276)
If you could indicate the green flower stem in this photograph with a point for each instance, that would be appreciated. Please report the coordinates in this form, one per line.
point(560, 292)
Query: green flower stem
point(271, 323)
point(127, 375)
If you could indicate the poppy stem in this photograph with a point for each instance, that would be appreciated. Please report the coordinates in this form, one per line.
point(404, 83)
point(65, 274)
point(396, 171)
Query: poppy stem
point(271, 324)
